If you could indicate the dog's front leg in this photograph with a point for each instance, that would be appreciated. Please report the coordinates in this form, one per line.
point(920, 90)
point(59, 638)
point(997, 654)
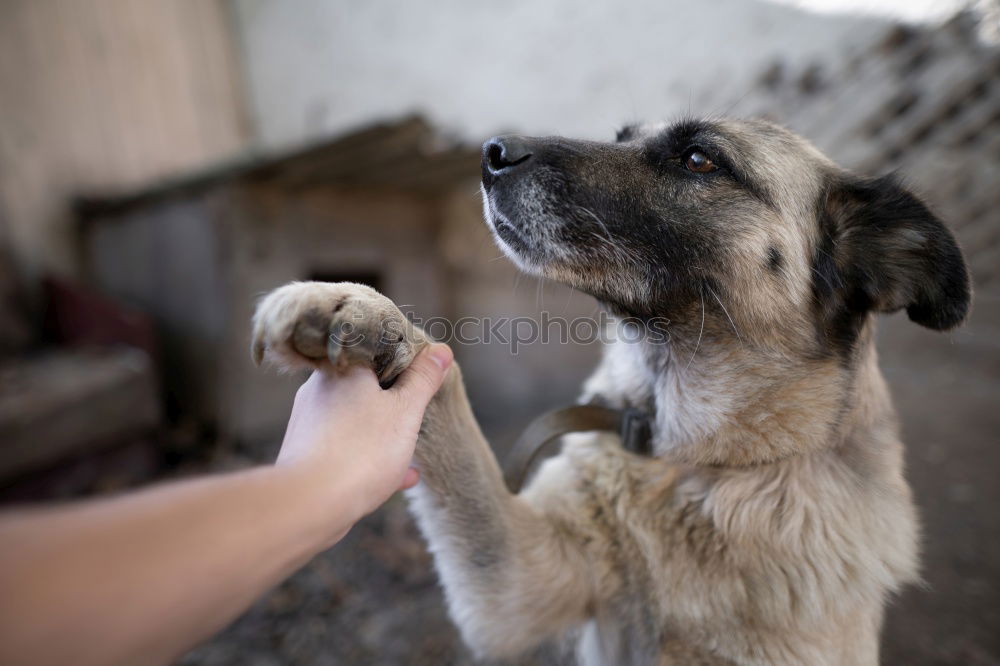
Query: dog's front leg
point(513, 576)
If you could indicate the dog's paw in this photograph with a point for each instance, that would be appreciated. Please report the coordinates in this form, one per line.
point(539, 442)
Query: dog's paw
point(303, 324)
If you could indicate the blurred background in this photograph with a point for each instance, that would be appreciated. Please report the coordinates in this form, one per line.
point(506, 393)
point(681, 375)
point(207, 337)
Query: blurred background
point(164, 162)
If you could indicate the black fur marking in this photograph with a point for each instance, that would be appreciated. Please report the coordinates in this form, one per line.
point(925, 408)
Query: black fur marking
point(626, 133)
point(775, 261)
point(905, 257)
point(664, 153)
point(882, 250)
point(646, 227)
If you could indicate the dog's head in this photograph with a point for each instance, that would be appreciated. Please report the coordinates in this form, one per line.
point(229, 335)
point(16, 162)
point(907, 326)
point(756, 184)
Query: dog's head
point(742, 219)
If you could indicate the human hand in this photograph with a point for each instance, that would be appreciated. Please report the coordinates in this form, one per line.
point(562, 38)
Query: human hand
point(347, 432)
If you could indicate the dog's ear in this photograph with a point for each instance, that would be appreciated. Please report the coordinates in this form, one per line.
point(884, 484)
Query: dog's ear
point(889, 252)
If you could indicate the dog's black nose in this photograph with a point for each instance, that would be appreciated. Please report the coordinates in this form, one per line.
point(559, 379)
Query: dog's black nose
point(502, 154)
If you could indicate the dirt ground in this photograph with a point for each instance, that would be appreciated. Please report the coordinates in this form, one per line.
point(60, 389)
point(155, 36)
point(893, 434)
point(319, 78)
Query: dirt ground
point(946, 392)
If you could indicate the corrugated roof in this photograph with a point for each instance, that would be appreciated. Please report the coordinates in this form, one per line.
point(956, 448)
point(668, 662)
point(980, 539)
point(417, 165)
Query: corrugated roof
point(407, 154)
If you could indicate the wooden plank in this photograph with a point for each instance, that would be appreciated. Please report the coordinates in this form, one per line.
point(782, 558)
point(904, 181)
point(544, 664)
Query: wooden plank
point(69, 402)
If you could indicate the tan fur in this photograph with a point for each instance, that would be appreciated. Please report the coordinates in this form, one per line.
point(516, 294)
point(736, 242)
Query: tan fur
point(770, 528)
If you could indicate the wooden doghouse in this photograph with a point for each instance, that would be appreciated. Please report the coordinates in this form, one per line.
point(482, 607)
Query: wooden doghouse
point(197, 252)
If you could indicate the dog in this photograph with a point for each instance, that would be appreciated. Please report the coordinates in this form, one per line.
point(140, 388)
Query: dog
point(772, 521)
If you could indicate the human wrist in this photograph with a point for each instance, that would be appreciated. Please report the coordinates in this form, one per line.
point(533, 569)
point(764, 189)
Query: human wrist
point(325, 503)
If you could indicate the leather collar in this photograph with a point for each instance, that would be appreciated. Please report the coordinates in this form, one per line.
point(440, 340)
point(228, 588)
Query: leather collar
point(630, 423)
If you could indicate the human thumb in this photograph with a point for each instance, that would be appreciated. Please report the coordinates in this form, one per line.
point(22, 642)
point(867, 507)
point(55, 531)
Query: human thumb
point(423, 378)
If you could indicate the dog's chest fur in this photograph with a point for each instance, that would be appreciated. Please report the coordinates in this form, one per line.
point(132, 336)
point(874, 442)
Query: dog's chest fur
point(683, 554)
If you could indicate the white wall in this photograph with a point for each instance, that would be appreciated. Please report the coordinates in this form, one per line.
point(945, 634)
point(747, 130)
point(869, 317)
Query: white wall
point(106, 95)
point(578, 67)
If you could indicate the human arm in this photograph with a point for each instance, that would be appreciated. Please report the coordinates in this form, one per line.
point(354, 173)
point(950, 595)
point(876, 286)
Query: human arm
point(142, 577)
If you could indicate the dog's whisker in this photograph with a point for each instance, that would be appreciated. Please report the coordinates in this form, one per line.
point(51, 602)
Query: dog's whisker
point(728, 316)
point(697, 345)
point(617, 249)
point(604, 242)
point(596, 219)
point(607, 243)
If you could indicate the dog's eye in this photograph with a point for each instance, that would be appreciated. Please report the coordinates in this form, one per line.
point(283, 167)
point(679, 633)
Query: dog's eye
point(699, 162)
